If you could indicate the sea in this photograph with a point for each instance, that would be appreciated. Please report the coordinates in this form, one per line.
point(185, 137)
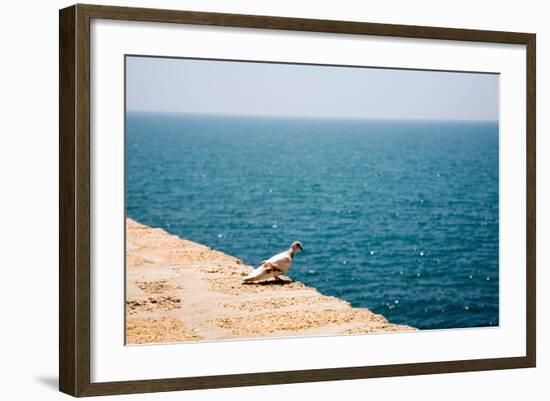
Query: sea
point(401, 217)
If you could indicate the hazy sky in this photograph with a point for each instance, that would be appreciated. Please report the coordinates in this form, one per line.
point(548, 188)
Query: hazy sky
point(229, 87)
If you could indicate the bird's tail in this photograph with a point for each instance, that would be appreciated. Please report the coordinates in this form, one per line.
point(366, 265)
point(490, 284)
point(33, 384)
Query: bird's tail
point(258, 274)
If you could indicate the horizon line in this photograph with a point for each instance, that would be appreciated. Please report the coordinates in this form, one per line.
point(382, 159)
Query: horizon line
point(312, 117)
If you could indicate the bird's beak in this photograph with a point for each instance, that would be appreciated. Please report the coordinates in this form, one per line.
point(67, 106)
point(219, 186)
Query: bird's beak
point(301, 249)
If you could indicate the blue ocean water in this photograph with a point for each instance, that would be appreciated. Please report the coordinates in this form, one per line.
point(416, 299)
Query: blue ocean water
point(397, 216)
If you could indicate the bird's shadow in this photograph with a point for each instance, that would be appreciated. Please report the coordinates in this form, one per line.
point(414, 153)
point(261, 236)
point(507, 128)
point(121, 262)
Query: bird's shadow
point(271, 282)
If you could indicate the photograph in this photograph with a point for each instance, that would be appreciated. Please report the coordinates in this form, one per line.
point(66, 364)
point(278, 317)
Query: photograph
point(269, 199)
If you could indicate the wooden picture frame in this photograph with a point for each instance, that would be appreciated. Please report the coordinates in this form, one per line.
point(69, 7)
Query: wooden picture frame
point(74, 199)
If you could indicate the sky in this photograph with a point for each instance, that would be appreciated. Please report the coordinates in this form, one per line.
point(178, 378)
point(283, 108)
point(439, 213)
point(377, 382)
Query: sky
point(247, 88)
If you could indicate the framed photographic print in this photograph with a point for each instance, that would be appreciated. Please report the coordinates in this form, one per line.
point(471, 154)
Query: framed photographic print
point(250, 200)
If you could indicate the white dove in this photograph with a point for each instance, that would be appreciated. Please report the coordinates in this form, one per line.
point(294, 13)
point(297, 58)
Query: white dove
point(274, 266)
